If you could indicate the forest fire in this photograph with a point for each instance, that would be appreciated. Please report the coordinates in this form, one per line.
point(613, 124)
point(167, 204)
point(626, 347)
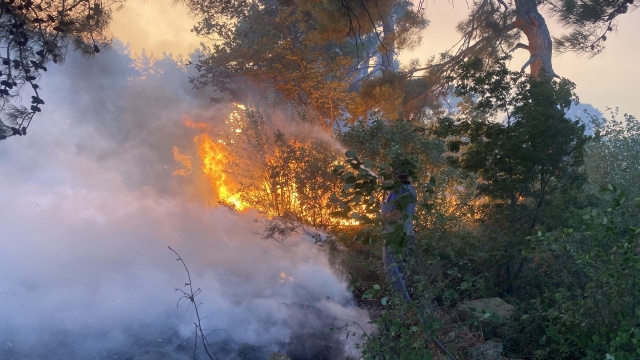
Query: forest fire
point(277, 175)
point(215, 158)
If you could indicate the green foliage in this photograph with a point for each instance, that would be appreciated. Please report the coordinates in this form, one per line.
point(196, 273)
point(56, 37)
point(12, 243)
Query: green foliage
point(589, 21)
point(534, 152)
point(34, 34)
point(373, 140)
point(593, 312)
point(576, 288)
point(613, 157)
point(363, 192)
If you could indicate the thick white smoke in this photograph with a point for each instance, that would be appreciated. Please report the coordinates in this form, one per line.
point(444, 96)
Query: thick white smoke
point(89, 207)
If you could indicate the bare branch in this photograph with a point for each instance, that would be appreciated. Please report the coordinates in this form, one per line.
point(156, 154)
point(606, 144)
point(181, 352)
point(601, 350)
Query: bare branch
point(191, 296)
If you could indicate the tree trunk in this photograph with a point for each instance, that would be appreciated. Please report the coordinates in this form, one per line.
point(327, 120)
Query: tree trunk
point(532, 24)
point(388, 49)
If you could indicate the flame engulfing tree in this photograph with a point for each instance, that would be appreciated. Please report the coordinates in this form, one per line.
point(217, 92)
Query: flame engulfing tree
point(34, 33)
point(254, 165)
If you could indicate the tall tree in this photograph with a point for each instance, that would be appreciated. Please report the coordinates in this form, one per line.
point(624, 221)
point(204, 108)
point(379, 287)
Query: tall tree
point(316, 53)
point(493, 28)
point(34, 33)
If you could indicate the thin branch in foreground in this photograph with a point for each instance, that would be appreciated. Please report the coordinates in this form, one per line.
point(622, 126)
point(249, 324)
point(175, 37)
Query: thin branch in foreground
point(191, 296)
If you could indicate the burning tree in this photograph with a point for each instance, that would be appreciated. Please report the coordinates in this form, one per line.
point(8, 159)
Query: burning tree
point(253, 165)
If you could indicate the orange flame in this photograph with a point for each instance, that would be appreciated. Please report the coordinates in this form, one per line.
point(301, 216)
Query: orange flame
point(285, 197)
point(184, 160)
point(214, 161)
point(193, 125)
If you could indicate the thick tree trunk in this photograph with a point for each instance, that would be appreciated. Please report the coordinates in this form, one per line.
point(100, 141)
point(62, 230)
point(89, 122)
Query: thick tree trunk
point(388, 50)
point(530, 21)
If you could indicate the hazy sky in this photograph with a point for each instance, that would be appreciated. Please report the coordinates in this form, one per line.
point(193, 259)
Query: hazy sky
point(610, 79)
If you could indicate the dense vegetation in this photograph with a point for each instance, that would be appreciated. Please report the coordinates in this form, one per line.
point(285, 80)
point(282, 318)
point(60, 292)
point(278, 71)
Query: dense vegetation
point(514, 199)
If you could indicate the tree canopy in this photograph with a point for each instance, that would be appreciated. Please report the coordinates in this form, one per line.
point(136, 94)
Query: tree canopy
point(35, 33)
point(339, 58)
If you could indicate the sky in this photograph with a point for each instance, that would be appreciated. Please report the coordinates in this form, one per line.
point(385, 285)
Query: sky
point(611, 79)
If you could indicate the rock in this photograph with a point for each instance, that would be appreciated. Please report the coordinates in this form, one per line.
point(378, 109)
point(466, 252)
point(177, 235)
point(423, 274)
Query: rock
point(279, 356)
point(493, 305)
point(450, 337)
point(250, 352)
point(491, 350)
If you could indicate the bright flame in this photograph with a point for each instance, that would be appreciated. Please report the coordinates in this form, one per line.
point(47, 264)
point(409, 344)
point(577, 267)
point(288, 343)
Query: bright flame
point(214, 161)
point(285, 278)
point(273, 193)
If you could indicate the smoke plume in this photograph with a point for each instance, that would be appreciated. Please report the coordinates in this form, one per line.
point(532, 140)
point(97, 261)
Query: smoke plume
point(90, 205)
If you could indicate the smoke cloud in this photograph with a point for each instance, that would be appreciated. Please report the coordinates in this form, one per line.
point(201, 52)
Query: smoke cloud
point(89, 207)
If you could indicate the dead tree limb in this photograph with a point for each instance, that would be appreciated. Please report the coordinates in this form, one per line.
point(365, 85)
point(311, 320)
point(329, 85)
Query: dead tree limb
point(191, 296)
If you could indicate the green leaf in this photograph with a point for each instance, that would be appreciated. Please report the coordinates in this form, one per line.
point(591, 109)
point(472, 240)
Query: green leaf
point(368, 164)
point(351, 154)
point(384, 301)
point(376, 287)
point(414, 328)
point(450, 293)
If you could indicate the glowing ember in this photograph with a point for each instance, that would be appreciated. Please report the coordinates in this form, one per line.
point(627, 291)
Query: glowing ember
point(285, 278)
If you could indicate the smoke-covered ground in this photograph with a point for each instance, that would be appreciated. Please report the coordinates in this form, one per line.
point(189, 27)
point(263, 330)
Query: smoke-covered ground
point(89, 207)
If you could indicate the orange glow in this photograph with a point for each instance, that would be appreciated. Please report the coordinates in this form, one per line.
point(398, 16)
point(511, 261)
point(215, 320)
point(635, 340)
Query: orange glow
point(269, 187)
point(184, 160)
point(193, 125)
point(214, 158)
